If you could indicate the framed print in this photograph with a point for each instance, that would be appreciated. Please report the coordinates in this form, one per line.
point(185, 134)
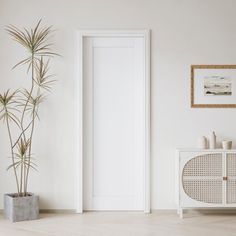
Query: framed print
point(213, 86)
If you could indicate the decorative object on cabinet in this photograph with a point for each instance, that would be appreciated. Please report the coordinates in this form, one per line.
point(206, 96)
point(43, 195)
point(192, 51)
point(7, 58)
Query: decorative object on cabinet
point(202, 143)
point(226, 145)
point(212, 140)
point(213, 86)
point(205, 179)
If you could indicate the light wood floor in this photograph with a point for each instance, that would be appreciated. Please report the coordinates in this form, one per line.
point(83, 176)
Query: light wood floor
point(123, 224)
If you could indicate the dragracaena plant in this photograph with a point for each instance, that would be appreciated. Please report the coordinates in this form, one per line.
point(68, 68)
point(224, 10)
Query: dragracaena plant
point(19, 108)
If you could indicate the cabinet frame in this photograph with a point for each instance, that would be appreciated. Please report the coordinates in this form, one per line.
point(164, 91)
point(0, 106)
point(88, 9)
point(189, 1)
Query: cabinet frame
point(182, 199)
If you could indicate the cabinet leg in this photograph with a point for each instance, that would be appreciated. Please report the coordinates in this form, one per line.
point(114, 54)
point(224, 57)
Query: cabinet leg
point(178, 210)
point(180, 213)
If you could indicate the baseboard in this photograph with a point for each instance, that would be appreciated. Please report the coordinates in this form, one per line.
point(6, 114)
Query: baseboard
point(153, 211)
point(72, 211)
point(163, 211)
point(53, 211)
point(57, 211)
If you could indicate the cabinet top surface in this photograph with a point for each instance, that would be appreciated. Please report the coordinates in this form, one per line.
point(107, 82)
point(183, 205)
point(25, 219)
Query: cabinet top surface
point(204, 150)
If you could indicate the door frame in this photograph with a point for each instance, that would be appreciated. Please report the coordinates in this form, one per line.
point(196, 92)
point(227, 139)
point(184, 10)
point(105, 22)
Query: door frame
point(79, 130)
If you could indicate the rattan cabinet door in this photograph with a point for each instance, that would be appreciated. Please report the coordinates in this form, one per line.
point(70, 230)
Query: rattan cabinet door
point(231, 180)
point(202, 178)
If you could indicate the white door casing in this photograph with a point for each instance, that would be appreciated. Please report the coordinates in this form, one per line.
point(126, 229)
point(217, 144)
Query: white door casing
point(100, 49)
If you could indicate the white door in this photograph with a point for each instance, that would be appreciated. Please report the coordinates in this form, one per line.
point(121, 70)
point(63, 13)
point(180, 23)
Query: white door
point(114, 123)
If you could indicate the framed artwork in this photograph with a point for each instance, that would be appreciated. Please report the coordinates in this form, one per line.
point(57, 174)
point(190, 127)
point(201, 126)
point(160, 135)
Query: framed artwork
point(213, 86)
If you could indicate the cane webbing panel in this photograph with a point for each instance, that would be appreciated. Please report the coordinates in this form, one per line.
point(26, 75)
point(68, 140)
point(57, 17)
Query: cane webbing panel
point(231, 173)
point(204, 165)
point(202, 178)
point(231, 164)
point(231, 191)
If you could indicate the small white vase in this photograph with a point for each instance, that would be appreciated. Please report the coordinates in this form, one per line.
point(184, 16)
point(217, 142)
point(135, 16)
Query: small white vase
point(212, 140)
point(202, 142)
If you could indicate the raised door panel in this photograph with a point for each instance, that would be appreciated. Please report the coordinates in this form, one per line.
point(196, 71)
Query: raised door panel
point(114, 123)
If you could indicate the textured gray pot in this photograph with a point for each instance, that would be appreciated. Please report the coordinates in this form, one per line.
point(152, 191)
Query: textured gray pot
point(21, 208)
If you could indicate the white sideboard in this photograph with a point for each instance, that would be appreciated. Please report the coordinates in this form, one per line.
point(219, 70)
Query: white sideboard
point(205, 179)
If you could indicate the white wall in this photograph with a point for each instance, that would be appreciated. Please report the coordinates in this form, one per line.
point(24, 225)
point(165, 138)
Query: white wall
point(184, 32)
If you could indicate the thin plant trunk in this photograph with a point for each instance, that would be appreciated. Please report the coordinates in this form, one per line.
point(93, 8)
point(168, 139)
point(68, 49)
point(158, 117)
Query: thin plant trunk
point(22, 133)
point(30, 146)
point(21, 177)
point(26, 104)
point(24, 168)
point(12, 154)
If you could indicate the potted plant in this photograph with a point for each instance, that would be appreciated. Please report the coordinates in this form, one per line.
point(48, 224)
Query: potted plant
point(19, 111)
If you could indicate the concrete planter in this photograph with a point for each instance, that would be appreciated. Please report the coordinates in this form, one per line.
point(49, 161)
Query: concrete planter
point(21, 208)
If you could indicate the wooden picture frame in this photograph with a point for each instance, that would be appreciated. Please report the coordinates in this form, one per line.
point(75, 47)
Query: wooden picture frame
point(213, 86)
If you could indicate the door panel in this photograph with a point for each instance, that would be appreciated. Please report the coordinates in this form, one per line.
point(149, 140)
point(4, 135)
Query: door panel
point(114, 123)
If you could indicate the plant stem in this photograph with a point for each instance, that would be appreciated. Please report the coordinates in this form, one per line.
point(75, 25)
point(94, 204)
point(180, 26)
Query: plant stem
point(21, 134)
point(21, 176)
point(24, 178)
point(30, 146)
point(22, 121)
point(26, 104)
point(12, 152)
